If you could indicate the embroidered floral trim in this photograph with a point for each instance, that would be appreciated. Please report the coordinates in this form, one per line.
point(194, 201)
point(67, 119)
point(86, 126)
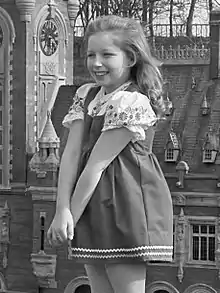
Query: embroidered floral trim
point(76, 111)
point(101, 99)
point(136, 119)
point(162, 253)
point(129, 116)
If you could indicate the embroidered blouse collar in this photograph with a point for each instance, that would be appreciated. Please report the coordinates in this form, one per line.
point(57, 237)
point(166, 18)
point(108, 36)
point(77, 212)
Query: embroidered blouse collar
point(97, 104)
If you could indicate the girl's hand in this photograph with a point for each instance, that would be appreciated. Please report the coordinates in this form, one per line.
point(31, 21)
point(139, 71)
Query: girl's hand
point(61, 228)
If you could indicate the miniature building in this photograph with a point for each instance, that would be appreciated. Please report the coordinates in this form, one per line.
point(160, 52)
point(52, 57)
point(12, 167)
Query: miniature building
point(37, 81)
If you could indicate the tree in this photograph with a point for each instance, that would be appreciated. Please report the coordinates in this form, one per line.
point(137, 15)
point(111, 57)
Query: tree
point(171, 18)
point(151, 16)
point(190, 18)
point(144, 13)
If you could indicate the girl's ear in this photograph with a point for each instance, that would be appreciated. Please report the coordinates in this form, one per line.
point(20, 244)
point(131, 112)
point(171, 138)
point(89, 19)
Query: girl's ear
point(132, 59)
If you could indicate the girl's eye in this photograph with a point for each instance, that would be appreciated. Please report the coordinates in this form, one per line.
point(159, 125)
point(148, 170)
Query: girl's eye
point(108, 54)
point(90, 55)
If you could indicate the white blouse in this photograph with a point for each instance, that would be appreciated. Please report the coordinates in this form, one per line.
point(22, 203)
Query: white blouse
point(121, 109)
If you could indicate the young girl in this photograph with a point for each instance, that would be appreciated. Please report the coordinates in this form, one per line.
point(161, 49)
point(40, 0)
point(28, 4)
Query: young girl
point(111, 190)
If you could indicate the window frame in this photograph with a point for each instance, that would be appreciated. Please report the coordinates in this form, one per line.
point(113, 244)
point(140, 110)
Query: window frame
point(200, 221)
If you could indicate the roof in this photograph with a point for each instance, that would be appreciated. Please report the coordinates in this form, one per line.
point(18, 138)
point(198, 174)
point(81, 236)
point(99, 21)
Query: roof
point(187, 121)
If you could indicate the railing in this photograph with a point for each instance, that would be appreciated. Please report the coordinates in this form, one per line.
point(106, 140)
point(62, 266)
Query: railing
point(163, 30)
point(179, 53)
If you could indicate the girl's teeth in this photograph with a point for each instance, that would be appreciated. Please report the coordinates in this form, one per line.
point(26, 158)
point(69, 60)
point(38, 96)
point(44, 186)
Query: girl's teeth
point(100, 73)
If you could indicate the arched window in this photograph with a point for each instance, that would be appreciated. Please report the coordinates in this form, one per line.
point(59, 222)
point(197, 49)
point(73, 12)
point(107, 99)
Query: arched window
point(78, 285)
point(7, 35)
point(83, 289)
point(161, 287)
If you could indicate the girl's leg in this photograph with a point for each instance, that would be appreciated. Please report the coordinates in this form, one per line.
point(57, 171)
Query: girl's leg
point(127, 278)
point(98, 279)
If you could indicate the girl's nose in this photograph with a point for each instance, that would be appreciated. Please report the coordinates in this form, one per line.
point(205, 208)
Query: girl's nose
point(97, 61)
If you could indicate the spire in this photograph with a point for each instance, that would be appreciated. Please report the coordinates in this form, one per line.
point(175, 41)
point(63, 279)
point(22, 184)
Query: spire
point(205, 106)
point(47, 158)
point(49, 134)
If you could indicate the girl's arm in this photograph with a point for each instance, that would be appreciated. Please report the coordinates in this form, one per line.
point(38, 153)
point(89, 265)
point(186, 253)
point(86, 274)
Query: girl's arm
point(69, 165)
point(108, 146)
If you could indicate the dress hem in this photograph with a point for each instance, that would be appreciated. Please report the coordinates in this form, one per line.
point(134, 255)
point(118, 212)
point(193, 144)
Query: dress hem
point(144, 253)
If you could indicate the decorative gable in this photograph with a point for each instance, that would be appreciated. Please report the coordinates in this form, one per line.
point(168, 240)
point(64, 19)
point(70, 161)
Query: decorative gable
point(210, 148)
point(172, 149)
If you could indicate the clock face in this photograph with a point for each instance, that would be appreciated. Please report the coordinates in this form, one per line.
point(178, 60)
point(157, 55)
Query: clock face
point(1, 37)
point(49, 38)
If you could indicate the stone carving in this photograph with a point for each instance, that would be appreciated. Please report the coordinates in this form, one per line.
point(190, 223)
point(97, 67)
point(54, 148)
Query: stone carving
point(44, 268)
point(180, 244)
point(179, 199)
point(49, 37)
point(72, 8)
point(26, 8)
point(182, 169)
point(49, 68)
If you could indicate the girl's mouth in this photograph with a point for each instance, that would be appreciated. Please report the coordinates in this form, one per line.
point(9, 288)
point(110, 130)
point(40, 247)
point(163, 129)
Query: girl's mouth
point(100, 73)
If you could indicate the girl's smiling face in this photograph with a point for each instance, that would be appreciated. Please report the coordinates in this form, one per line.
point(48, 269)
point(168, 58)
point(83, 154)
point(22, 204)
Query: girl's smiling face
point(106, 62)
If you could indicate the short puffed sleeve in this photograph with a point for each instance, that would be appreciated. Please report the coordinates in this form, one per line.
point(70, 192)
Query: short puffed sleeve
point(131, 110)
point(76, 110)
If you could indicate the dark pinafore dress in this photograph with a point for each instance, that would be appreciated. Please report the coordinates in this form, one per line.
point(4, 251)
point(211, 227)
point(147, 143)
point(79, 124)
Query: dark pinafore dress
point(129, 218)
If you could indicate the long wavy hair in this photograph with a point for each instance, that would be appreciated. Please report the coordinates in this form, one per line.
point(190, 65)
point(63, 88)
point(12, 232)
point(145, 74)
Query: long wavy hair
point(129, 36)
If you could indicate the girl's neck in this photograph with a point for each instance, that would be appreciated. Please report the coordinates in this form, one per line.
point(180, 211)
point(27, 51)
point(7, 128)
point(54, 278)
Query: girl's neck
point(121, 87)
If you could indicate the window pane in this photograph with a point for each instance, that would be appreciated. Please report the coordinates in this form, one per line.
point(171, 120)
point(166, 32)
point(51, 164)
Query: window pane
point(195, 247)
point(203, 248)
point(212, 229)
point(204, 229)
point(211, 248)
point(0, 176)
point(195, 228)
point(1, 137)
point(208, 154)
point(170, 154)
point(0, 96)
point(1, 157)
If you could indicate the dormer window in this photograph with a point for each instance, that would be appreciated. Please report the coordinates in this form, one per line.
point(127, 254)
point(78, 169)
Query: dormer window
point(210, 148)
point(172, 149)
point(207, 155)
point(169, 154)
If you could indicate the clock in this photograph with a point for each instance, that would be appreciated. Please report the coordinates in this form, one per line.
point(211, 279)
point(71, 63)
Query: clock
point(1, 37)
point(49, 37)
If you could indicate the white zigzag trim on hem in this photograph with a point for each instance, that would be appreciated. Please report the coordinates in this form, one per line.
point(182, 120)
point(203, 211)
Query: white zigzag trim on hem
point(155, 248)
point(159, 256)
